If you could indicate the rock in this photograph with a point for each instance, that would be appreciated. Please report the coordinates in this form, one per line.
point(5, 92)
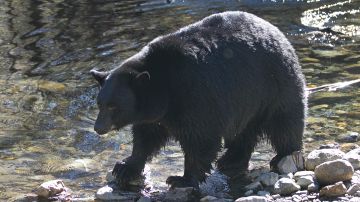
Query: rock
point(254, 186)
point(252, 199)
point(349, 137)
point(320, 156)
point(299, 174)
point(289, 175)
point(50, 188)
point(355, 199)
point(291, 163)
point(285, 186)
point(305, 181)
point(248, 193)
point(356, 178)
point(30, 197)
point(328, 54)
point(268, 179)
point(337, 189)
point(107, 193)
point(346, 147)
point(186, 194)
point(313, 187)
point(144, 199)
point(330, 146)
point(276, 196)
point(263, 193)
point(51, 86)
point(353, 189)
point(353, 157)
point(334, 171)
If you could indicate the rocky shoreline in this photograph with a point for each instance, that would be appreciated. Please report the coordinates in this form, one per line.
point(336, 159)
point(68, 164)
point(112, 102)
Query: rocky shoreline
point(325, 174)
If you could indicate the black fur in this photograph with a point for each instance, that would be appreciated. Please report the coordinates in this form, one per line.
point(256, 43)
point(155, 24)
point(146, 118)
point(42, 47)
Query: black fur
point(231, 75)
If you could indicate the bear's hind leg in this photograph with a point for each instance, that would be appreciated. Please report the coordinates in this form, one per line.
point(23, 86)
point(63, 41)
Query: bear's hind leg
point(199, 154)
point(285, 130)
point(147, 141)
point(236, 158)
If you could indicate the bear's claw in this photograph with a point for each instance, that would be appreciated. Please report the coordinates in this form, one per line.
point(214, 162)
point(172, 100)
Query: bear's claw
point(178, 182)
point(125, 172)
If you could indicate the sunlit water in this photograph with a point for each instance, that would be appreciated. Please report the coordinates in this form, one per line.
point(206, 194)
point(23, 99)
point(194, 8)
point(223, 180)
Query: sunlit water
point(47, 99)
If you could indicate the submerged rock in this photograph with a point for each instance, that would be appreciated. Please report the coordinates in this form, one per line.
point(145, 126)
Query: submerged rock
point(337, 189)
point(320, 156)
point(334, 171)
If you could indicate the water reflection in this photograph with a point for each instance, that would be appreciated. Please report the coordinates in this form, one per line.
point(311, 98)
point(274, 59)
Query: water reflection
point(48, 99)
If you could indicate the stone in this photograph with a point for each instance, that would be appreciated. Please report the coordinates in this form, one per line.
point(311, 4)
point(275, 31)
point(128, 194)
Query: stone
point(334, 171)
point(291, 163)
point(276, 196)
point(249, 193)
point(305, 181)
point(330, 146)
point(346, 147)
point(144, 199)
point(285, 186)
point(254, 186)
point(186, 194)
point(320, 156)
point(268, 179)
point(337, 189)
point(313, 187)
point(252, 199)
point(107, 193)
point(348, 137)
point(355, 199)
point(353, 157)
point(263, 193)
point(299, 174)
point(50, 188)
point(353, 189)
point(30, 197)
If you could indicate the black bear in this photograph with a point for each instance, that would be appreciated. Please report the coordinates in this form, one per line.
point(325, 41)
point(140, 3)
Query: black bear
point(230, 76)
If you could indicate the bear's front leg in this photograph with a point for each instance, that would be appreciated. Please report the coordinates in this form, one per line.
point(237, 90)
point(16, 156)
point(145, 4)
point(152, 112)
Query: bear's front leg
point(147, 140)
point(199, 154)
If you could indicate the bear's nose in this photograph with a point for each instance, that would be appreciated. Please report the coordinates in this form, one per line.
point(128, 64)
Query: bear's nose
point(100, 129)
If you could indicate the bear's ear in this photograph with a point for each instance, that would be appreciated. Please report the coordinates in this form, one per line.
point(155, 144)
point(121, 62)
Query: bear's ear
point(99, 76)
point(142, 78)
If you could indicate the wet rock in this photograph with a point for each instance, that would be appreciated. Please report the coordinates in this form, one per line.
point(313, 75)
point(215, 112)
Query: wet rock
point(333, 171)
point(353, 189)
point(186, 194)
point(337, 189)
point(252, 199)
point(349, 137)
point(254, 186)
point(309, 60)
point(285, 186)
point(108, 193)
point(320, 156)
point(353, 157)
point(268, 179)
point(50, 188)
point(291, 163)
point(327, 54)
point(305, 181)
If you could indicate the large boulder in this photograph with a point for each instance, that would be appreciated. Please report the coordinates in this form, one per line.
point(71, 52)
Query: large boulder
point(286, 186)
point(320, 156)
point(334, 171)
point(337, 189)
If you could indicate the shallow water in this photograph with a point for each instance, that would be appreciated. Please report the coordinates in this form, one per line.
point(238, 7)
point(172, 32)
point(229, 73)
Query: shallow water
point(47, 99)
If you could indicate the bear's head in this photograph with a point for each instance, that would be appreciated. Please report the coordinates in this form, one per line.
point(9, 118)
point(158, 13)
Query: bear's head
point(125, 97)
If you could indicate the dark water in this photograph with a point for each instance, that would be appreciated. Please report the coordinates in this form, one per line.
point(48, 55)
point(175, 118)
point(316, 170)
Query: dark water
point(47, 106)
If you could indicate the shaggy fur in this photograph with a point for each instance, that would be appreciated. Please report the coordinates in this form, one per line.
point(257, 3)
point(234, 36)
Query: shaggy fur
point(231, 75)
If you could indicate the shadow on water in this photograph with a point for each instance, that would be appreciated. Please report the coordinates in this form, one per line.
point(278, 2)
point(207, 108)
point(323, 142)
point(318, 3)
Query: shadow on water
point(48, 98)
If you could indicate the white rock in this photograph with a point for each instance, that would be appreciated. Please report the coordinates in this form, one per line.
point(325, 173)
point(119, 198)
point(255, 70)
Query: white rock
point(108, 193)
point(50, 188)
point(355, 199)
point(299, 174)
point(268, 179)
point(337, 189)
point(305, 181)
point(353, 157)
point(263, 193)
point(334, 171)
point(320, 156)
point(313, 187)
point(252, 199)
point(353, 189)
point(285, 186)
point(291, 163)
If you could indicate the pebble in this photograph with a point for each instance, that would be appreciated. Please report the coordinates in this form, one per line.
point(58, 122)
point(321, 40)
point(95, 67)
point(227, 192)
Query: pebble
point(209, 198)
point(353, 157)
point(334, 171)
point(291, 163)
point(252, 199)
point(337, 189)
point(299, 174)
point(181, 194)
point(320, 156)
point(50, 188)
point(285, 186)
point(305, 181)
point(353, 189)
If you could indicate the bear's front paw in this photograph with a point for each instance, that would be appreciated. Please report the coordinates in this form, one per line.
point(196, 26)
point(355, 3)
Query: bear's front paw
point(125, 172)
point(178, 181)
